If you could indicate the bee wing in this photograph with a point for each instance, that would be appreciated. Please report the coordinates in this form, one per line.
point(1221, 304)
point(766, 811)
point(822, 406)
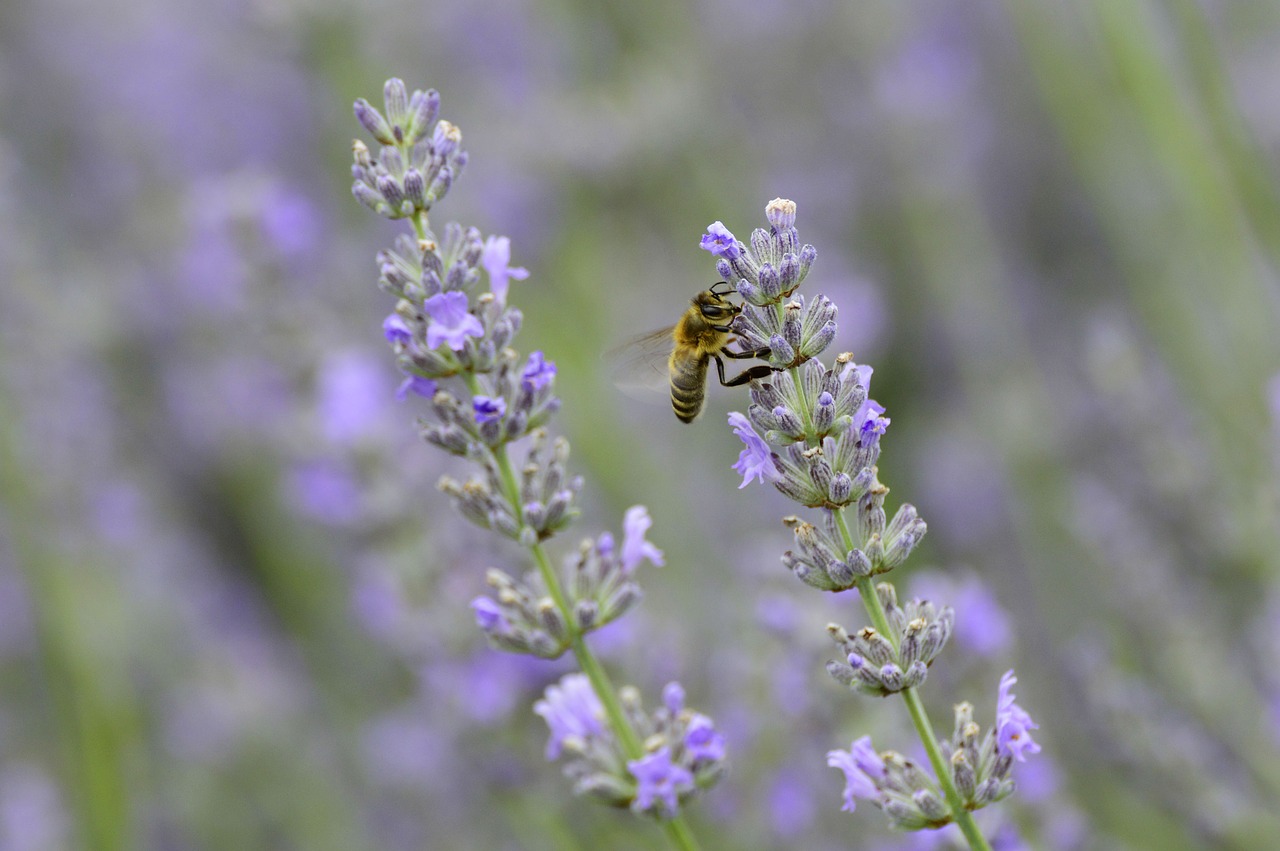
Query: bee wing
point(639, 366)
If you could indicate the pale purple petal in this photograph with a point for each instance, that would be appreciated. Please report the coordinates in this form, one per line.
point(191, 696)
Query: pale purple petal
point(756, 459)
point(635, 548)
point(497, 262)
point(451, 323)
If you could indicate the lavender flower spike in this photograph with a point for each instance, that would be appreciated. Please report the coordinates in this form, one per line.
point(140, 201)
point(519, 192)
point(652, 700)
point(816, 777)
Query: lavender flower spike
point(812, 431)
point(453, 343)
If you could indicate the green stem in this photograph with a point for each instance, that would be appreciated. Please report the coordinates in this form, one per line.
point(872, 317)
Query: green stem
point(963, 818)
point(915, 706)
point(676, 828)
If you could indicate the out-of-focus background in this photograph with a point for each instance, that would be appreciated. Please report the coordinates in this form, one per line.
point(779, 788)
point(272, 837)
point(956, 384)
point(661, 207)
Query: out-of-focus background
point(233, 606)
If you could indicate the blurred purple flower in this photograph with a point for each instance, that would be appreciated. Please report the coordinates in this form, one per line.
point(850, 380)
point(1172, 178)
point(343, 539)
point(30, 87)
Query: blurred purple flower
point(861, 766)
point(489, 616)
point(538, 372)
point(657, 777)
point(982, 625)
point(486, 686)
point(673, 697)
point(1013, 724)
point(353, 390)
point(417, 385)
point(702, 740)
point(378, 603)
point(213, 400)
point(497, 262)
point(635, 548)
point(571, 710)
point(212, 274)
point(720, 242)
point(325, 491)
point(756, 459)
point(32, 813)
point(291, 223)
point(489, 409)
point(404, 748)
point(790, 804)
point(1039, 781)
point(450, 321)
point(396, 330)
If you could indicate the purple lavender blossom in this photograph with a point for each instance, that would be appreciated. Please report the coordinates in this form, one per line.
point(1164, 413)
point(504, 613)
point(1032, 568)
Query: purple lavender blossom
point(489, 615)
point(571, 710)
point(659, 778)
point(635, 548)
point(450, 321)
point(873, 424)
point(416, 384)
point(396, 330)
point(868, 419)
point(720, 242)
point(538, 371)
point(673, 697)
point(756, 459)
point(496, 261)
point(702, 740)
point(861, 766)
point(324, 491)
point(1013, 724)
point(488, 408)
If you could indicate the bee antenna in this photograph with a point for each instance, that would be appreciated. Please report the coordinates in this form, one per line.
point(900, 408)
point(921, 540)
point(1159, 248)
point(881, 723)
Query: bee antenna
point(719, 283)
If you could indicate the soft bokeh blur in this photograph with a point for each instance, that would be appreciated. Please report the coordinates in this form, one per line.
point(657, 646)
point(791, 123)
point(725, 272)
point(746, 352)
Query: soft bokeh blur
point(233, 606)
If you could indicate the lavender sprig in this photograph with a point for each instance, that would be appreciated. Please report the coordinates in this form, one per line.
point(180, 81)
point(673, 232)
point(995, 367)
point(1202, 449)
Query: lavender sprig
point(452, 341)
point(813, 432)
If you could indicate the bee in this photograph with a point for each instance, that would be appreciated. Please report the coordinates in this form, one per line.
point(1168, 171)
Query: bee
point(701, 336)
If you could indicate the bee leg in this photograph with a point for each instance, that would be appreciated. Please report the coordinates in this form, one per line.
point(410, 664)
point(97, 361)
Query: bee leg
point(762, 352)
point(744, 376)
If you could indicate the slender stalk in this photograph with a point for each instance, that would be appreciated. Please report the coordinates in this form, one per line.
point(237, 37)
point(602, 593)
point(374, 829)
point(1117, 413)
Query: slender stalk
point(676, 829)
point(915, 706)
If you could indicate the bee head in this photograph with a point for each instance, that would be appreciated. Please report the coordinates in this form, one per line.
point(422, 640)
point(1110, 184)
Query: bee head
point(714, 306)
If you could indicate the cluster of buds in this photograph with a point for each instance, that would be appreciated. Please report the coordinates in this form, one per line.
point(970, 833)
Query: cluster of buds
point(523, 616)
point(548, 494)
point(443, 325)
point(520, 399)
point(880, 665)
point(979, 767)
point(823, 559)
point(418, 158)
point(683, 750)
point(765, 273)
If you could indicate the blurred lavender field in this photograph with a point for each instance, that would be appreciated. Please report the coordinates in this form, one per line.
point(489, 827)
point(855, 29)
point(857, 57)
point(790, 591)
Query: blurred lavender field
point(234, 607)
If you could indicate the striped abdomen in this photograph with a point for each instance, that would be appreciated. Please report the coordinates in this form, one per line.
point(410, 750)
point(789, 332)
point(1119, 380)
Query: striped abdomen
point(688, 368)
